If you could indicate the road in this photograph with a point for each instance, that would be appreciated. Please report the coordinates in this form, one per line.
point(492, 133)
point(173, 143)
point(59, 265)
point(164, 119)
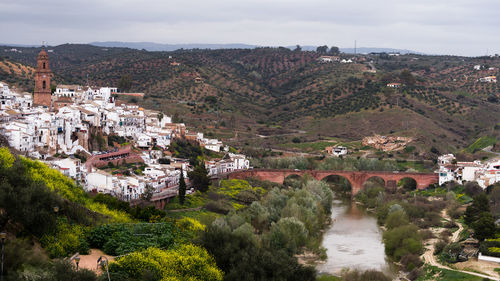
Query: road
point(489, 149)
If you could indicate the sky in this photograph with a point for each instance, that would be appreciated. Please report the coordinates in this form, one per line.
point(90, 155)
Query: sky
point(458, 27)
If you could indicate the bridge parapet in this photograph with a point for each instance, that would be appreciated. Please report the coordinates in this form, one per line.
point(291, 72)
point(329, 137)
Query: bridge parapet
point(355, 178)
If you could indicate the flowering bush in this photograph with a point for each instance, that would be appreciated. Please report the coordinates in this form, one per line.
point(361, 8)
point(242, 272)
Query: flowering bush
point(188, 262)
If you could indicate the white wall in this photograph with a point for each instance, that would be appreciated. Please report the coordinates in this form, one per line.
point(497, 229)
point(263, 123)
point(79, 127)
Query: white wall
point(488, 258)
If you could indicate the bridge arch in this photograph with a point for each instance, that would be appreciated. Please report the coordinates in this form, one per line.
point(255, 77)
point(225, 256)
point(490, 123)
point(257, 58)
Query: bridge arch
point(407, 183)
point(292, 180)
point(374, 181)
point(339, 184)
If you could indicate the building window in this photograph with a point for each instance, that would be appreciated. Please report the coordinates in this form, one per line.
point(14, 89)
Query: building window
point(43, 65)
point(44, 84)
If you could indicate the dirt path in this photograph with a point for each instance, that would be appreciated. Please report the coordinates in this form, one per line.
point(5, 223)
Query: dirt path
point(431, 259)
point(90, 261)
point(455, 237)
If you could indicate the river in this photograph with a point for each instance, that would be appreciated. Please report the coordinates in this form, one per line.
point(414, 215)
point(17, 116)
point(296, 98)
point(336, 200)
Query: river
point(353, 240)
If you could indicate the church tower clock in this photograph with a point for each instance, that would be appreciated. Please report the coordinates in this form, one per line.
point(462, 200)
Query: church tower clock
point(42, 95)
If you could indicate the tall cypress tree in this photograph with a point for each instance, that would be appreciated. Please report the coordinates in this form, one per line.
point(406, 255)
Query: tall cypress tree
point(182, 188)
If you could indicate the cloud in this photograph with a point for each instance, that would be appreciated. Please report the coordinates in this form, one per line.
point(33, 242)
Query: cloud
point(439, 26)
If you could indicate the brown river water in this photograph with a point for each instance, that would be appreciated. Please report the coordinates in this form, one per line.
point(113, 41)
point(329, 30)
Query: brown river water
point(353, 240)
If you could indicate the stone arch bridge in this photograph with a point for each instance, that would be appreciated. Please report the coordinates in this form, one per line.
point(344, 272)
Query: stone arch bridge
point(355, 178)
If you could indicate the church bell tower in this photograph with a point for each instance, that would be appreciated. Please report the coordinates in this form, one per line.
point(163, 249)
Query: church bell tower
point(42, 95)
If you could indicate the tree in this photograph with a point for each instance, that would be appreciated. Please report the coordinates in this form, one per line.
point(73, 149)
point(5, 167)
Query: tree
point(176, 118)
point(396, 219)
point(125, 83)
point(182, 188)
point(451, 251)
point(334, 50)
point(243, 260)
point(407, 78)
point(148, 193)
point(434, 150)
point(494, 196)
point(492, 99)
point(297, 48)
point(259, 216)
point(479, 205)
point(402, 240)
point(289, 234)
point(211, 100)
point(199, 177)
point(484, 227)
point(472, 188)
point(387, 78)
point(322, 49)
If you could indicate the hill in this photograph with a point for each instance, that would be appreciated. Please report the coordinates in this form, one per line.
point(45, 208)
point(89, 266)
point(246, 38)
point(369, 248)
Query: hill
point(367, 50)
point(16, 74)
point(150, 46)
point(238, 94)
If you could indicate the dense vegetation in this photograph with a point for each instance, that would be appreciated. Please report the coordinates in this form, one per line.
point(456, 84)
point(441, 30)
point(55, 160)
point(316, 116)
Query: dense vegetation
point(334, 163)
point(259, 242)
point(29, 191)
point(263, 227)
point(407, 216)
point(188, 262)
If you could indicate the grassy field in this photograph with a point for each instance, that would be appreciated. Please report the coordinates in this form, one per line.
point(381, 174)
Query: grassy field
point(327, 278)
point(480, 144)
point(228, 195)
point(437, 274)
point(418, 166)
point(441, 191)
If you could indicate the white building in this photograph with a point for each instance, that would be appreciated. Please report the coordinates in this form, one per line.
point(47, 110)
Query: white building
point(328, 59)
point(100, 181)
point(212, 144)
point(488, 79)
point(42, 134)
point(484, 174)
point(339, 151)
point(70, 167)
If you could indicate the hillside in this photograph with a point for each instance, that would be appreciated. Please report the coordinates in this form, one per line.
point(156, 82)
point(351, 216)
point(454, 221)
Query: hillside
point(237, 94)
point(17, 74)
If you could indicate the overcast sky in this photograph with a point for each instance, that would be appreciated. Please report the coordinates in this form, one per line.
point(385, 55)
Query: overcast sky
point(462, 27)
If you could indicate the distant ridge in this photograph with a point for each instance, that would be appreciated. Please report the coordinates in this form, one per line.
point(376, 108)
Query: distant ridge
point(367, 50)
point(150, 46)
point(20, 45)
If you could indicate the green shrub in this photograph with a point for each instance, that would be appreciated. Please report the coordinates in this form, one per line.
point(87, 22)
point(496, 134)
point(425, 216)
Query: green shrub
point(401, 241)
point(119, 239)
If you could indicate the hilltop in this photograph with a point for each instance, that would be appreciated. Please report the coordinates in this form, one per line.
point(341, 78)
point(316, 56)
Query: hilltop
point(151, 46)
point(237, 94)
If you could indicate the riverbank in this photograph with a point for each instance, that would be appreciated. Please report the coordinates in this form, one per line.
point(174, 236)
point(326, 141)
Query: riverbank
point(488, 268)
